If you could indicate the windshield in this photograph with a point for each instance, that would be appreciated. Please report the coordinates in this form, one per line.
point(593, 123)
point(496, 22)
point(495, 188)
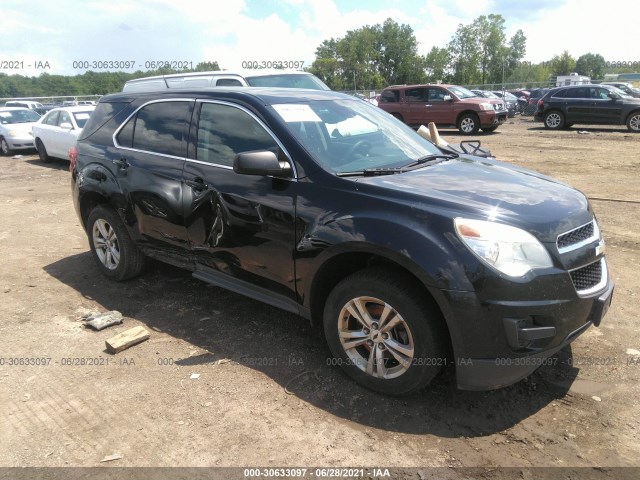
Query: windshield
point(287, 81)
point(461, 92)
point(18, 116)
point(352, 135)
point(490, 95)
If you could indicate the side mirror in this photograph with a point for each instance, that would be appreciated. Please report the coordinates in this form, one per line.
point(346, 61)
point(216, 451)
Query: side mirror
point(447, 98)
point(66, 125)
point(262, 162)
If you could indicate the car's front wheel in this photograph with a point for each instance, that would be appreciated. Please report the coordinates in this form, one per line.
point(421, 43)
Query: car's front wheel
point(4, 147)
point(554, 120)
point(633, 122)
point(469, 123)
point(384, 333)
point(113, 250)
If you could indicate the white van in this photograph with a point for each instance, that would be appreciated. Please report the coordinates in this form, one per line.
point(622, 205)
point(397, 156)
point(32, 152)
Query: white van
point(224, 78)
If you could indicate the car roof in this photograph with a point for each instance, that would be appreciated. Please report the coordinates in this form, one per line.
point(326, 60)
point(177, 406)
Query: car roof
point(232, 73)
point(266, 95)
point(12, 109)
point(75, 108)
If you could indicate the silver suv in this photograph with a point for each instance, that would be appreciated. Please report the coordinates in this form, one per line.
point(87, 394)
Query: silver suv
point(225, 78)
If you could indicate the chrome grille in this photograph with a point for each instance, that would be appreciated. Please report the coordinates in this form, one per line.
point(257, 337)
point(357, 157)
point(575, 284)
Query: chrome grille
point(590, 278)
point(578, 236)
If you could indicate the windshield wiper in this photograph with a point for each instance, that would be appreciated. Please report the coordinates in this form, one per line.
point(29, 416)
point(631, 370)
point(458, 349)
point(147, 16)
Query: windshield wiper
point(425, 161)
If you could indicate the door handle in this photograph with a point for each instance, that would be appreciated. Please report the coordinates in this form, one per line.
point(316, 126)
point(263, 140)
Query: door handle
point(122, 163)
point(427, 105)
point(197, 183)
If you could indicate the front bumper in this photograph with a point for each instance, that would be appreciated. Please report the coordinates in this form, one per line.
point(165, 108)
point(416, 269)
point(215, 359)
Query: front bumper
point(501, 342)
point(20, 143)
point(491, 118)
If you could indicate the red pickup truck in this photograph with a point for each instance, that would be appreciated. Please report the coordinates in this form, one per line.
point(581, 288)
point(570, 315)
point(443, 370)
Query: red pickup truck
point(445, 105)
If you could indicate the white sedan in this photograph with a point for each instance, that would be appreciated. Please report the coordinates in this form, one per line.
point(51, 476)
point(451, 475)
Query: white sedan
point(58, 131)
point(15, 129)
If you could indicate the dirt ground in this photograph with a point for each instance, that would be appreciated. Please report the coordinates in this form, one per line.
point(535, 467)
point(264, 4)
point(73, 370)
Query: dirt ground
point(265, 395)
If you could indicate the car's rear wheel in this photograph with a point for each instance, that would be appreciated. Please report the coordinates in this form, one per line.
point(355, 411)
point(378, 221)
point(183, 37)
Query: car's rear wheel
point(383, 332)
point(633, 122)
point(4, 147)
point(113, 250)
point(468, 124)
point(554, 120)
point(42, 152)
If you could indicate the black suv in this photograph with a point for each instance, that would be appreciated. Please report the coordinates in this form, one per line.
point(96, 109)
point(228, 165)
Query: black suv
point(321, 204)
point(591, 104)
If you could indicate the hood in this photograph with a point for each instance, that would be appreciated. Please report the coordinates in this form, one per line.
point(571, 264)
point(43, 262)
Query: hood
point(489, 190)
point(22, 128)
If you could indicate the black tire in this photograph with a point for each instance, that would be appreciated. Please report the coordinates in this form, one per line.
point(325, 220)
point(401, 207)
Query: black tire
point(554, 120)
point(420, 330)
point(469, 124)
point(490, 129)
point(42, 152)
point(633, 122)
point(130, 260)
point(4, 148)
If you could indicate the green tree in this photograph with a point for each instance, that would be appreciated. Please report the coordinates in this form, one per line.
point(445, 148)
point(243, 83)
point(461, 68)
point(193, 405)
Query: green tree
point(370, 57)
point(437, 65)
point(563, 64)
point(465, 55)
point(591, 65)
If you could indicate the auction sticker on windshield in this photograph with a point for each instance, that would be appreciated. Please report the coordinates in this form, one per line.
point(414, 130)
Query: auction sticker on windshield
point(291, 112)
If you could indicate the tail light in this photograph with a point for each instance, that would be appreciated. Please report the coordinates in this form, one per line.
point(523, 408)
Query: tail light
point(73, 156)
point(540, 103)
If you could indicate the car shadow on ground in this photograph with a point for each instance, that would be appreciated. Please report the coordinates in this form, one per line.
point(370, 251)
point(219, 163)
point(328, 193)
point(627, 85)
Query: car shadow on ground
point(54, 163)
point(287, 349)
point(580, 128)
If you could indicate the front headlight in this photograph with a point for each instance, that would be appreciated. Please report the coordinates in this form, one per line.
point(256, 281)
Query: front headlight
point(12, 133)
point(486, 106)
point(508, 249)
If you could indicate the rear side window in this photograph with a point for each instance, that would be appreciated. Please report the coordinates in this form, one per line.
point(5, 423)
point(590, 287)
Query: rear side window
point(228, 82)
point(390, 96)
point(159, 128)
point(51, 118)
point(225, 131)
point(415, 95)
point(582, 92)
point(104, 112)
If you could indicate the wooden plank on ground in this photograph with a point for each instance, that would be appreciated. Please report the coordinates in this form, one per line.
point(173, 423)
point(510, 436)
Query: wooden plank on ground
point(126, 339)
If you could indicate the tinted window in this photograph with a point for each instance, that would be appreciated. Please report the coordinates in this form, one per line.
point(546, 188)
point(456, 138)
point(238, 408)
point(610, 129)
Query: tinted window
point(104, 112)
point(51, 118)
point(125, 136)
point(288, 81)
point(436, 95)
point(582, 92)
point(225, 131)
point(160, 128)
point(228, 82)
point(415, 95)
point(390, 96)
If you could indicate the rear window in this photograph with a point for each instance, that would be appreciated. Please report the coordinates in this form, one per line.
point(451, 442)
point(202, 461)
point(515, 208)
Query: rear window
point(104, 112)
point(287, 81)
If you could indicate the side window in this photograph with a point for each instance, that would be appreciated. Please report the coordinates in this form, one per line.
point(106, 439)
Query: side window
point(415, 95)
point(224, 131)
point(436, 95)
point(582, 92)
point(390, 96)
point(160, 128)
point(125, 137)
point(228, 82)
point(51, 118)
point(64, 118)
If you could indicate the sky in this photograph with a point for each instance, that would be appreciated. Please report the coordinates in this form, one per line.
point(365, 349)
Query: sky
point(64, 36)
